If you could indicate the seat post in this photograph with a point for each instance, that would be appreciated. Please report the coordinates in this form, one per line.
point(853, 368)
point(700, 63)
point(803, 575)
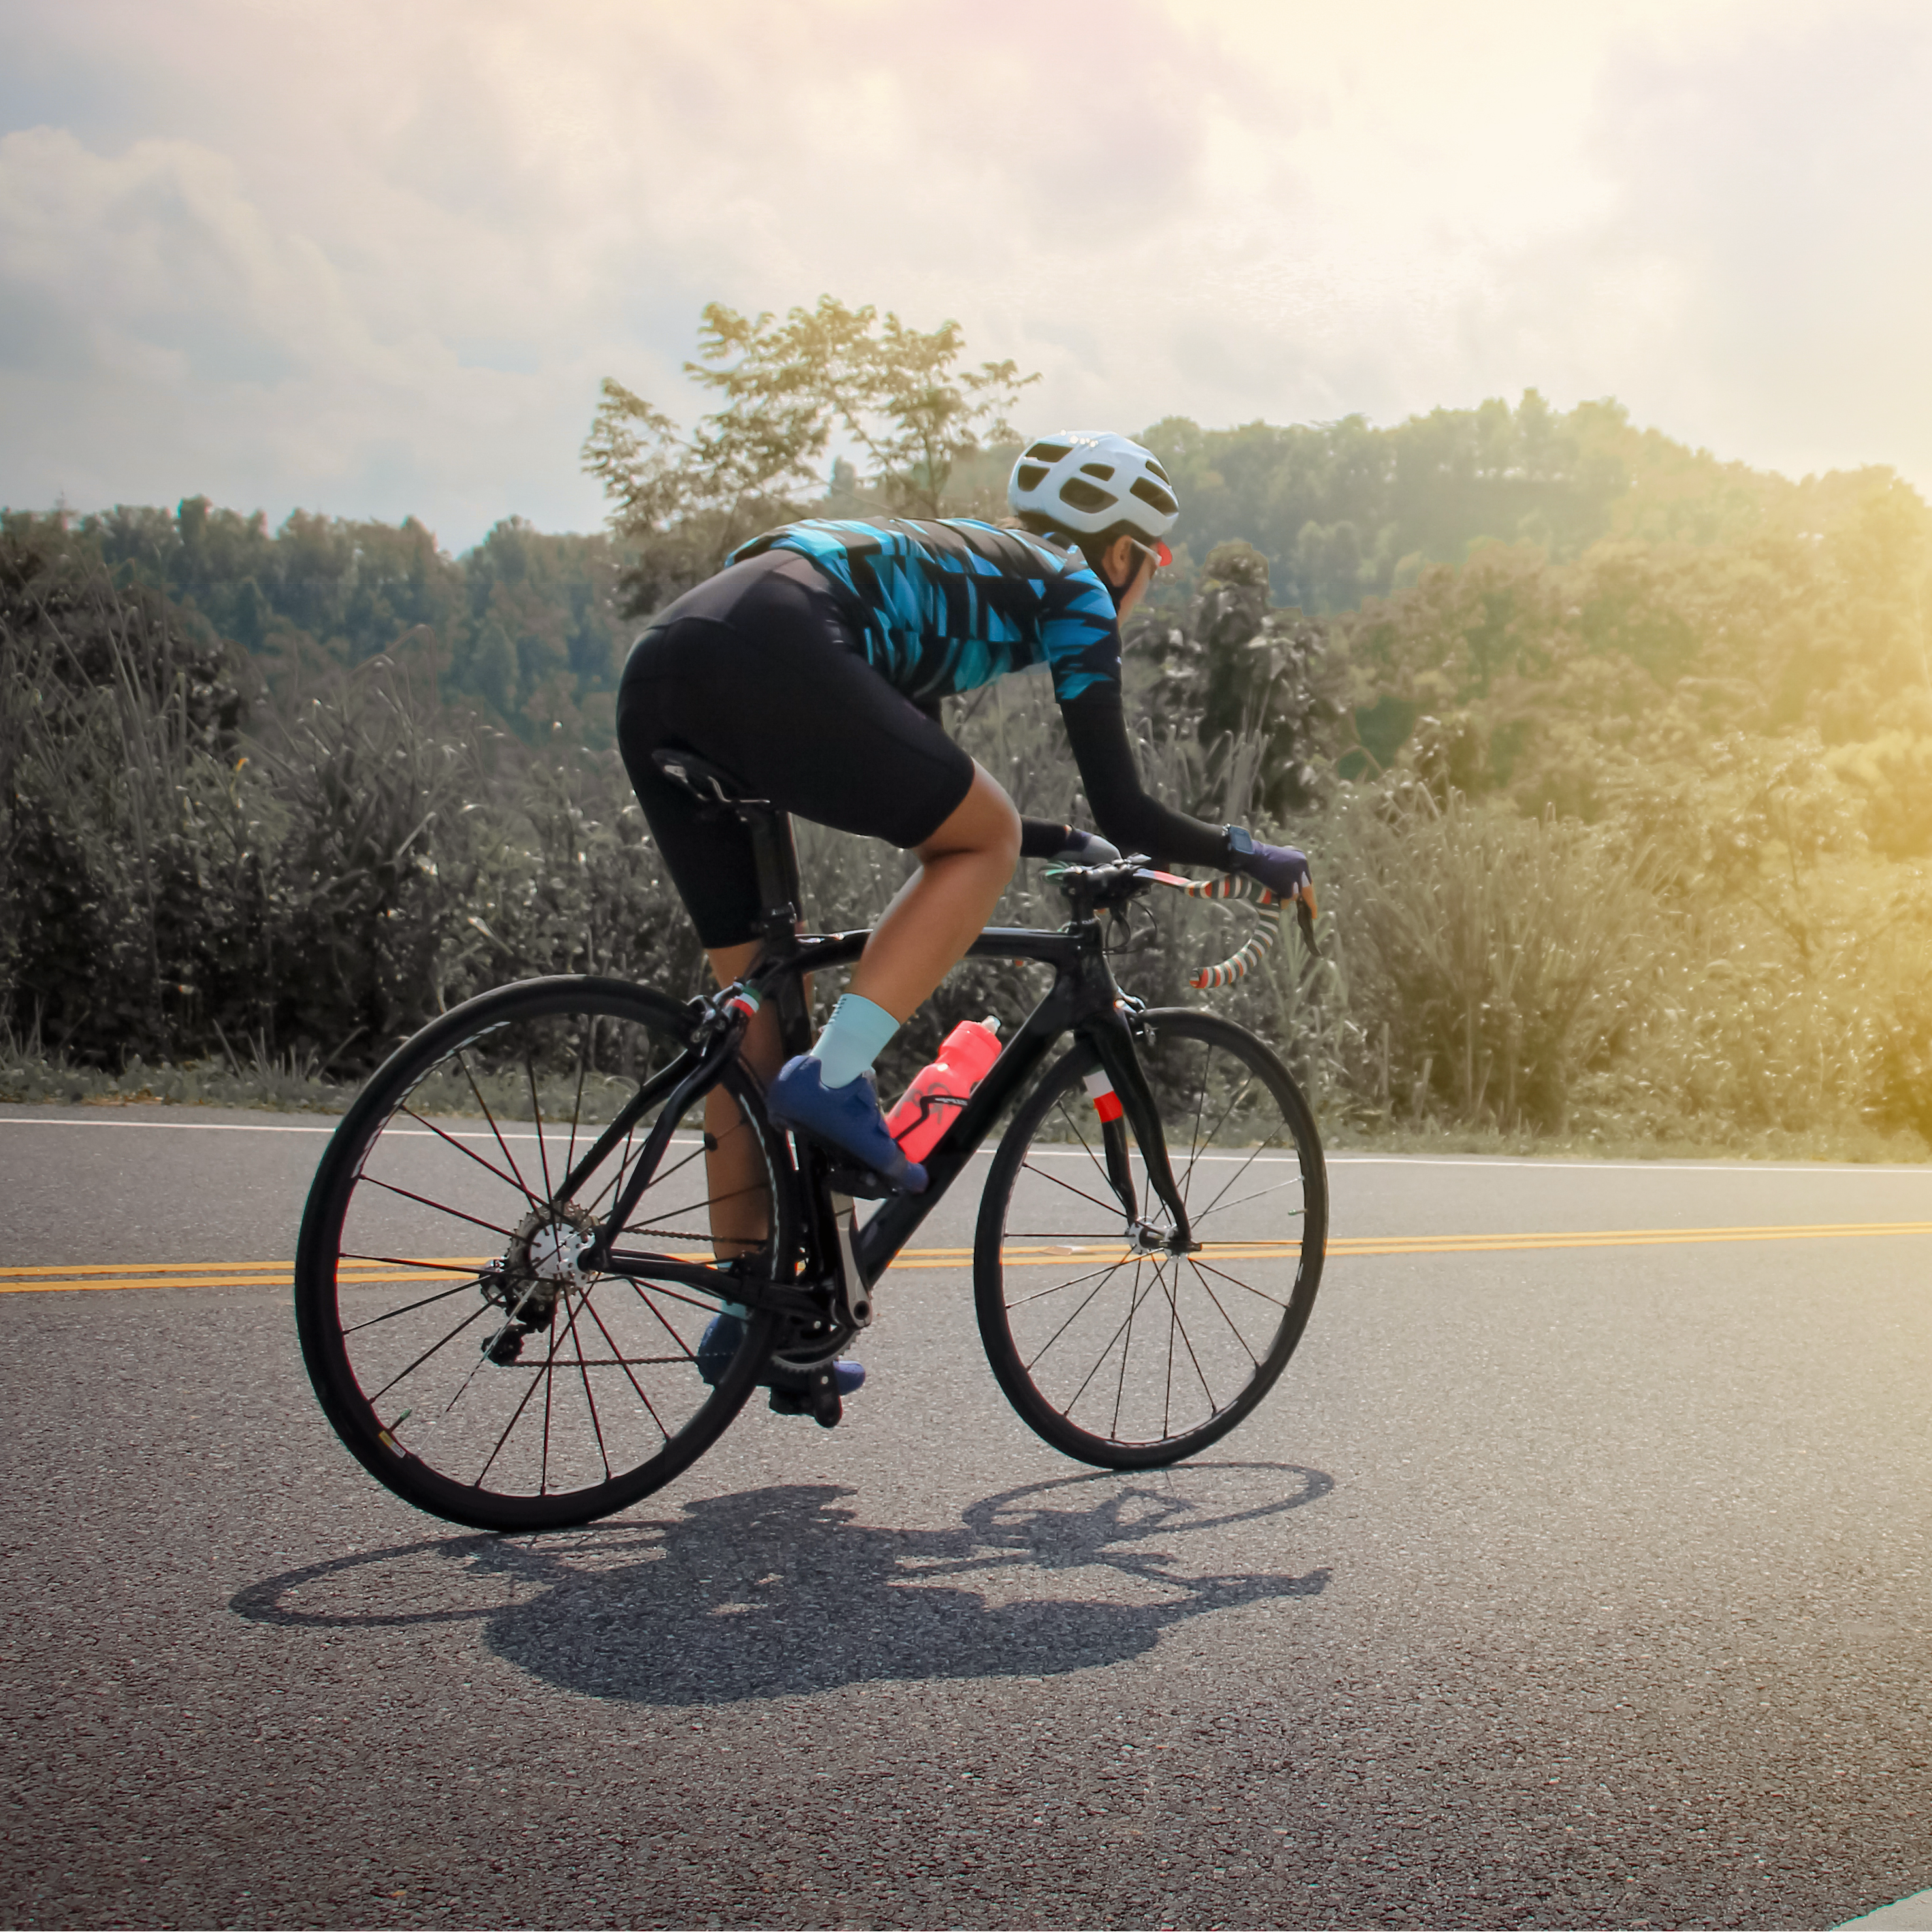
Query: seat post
point(775, 855)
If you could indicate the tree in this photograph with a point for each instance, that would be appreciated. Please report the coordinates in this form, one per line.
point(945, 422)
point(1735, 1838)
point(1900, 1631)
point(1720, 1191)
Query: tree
point(784, 389)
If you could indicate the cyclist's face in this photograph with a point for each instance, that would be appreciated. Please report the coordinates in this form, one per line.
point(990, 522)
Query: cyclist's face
point(1134, 564)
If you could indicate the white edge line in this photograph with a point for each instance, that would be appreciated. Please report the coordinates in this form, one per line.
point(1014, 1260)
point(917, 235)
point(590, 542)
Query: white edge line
point(1333, 1159)
point(1628, 1166)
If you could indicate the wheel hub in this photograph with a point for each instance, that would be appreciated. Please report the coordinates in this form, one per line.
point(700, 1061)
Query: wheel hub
point(1145, 1238)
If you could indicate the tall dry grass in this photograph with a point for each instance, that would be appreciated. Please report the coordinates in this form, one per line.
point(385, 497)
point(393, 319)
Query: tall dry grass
point(280, 893)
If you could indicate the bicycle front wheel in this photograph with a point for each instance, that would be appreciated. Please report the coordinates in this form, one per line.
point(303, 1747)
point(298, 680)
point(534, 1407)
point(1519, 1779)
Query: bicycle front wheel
point(1114, 1350)
point(463, 1350)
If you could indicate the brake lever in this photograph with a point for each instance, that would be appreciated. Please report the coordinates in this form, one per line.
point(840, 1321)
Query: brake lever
point(1305, 919)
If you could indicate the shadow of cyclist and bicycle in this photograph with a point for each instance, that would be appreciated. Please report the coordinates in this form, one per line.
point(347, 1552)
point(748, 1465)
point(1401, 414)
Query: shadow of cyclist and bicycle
point(780, 1590)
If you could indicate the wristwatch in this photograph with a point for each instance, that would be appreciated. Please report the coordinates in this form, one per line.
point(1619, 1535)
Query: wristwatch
point(1241, 843)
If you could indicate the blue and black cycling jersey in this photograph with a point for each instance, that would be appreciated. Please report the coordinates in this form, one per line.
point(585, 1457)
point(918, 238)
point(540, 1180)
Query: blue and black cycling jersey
point(944, 606)
point(935, 608)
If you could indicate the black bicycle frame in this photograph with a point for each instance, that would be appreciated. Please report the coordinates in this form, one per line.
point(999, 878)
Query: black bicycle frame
point(1083, 1001)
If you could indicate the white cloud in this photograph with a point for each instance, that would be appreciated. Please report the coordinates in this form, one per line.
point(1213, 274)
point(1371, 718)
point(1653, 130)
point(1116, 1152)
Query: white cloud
point(374, 260)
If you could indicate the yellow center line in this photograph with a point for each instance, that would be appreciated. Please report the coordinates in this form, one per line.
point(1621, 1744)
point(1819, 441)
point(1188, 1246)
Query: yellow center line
point(450, 1268)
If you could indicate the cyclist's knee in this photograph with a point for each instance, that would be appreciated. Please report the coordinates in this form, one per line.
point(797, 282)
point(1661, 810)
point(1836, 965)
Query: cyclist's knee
point(984, 822)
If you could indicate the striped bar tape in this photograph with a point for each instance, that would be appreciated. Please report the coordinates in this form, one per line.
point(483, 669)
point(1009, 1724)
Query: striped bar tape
point(1267, 930)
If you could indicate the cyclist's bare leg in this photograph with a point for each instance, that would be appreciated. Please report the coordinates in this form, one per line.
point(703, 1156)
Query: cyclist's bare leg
point(741, 1215)
point(939, 912)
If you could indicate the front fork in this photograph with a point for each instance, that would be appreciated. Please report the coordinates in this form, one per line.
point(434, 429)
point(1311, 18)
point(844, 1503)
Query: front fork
point(1112, 1037)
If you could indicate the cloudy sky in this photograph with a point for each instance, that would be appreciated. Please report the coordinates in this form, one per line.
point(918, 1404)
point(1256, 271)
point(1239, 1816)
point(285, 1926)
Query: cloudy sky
point(374, 259)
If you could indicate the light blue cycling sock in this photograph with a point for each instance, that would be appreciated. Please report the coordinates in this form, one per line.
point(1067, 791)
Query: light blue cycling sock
point(854, 1037)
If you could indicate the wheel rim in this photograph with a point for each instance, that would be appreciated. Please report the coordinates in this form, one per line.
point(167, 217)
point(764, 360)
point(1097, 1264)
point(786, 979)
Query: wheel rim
point(1111, 1348)
point(498, 1377)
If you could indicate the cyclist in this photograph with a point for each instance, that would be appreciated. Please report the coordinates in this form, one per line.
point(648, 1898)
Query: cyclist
point(811, 668)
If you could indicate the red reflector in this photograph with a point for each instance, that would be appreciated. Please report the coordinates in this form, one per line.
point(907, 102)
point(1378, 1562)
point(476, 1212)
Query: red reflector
point(1108, 1105)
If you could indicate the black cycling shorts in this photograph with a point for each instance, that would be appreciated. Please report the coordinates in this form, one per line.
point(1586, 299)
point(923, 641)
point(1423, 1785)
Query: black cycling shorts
point(757, 669)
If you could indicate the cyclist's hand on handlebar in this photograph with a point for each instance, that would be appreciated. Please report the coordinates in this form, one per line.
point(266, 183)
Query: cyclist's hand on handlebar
point(1281, 869)
point(1086, 848)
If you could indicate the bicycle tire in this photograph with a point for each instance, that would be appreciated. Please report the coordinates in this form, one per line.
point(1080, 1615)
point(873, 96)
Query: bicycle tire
point(1220, 1326)
point(464, 1137)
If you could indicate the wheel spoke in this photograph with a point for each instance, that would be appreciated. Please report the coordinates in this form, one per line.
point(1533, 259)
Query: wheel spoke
point(583, 1051)
point(624, 1364)
point(423, 1120)
point(1187, 1342)
point(463, 1064)
point(1121, 1381)
point(1234, 1281)
point(1253, 1156)
point(1275, 1187)
point(410, 1307)
point(1135, 1294)
point(516, 1415)
point(1207, 1288)
point(1077, 1127)
point(422, 1266)
point(549, 1391)
point(658, 1313)
point(435, 1348)
point(1072, 1281)
point(1106, 1277)
point(1194, 1145)
point(1105, 1207)
point(437, 1207)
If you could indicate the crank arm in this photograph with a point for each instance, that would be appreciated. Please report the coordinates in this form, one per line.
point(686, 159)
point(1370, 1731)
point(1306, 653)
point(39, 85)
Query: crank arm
point(856, 1297)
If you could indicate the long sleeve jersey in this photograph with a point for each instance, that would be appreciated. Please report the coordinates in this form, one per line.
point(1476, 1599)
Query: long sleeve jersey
point(944, 606)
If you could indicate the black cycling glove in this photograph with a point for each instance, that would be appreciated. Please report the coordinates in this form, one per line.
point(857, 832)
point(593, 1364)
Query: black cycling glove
point(1054, 839)
point(1087, 848)
point(1281, 868)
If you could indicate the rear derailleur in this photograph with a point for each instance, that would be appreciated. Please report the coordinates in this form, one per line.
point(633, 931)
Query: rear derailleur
point(542, 1262)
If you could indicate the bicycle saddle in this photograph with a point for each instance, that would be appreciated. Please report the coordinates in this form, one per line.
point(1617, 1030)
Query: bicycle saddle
point(709, 784)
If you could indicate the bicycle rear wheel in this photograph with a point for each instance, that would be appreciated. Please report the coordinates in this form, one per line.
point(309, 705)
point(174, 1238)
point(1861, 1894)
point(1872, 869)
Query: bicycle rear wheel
point(458, 1346)
point(1130, 1358)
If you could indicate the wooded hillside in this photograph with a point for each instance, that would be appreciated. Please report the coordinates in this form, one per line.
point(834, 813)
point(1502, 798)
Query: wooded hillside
point(1614, 762)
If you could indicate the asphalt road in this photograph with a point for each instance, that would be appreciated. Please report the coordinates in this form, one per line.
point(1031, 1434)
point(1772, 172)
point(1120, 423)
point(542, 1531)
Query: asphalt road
point(1555, 1586)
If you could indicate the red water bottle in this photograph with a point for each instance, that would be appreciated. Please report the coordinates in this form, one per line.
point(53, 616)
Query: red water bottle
point(931, 1104)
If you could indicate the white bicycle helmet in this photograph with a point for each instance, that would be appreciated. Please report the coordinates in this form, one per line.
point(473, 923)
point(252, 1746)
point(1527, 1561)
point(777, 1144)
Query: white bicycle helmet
point(1090, 482)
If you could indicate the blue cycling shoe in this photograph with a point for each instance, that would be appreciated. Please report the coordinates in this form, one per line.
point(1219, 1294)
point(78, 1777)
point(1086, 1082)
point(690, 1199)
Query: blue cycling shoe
point(847, 1120)
point(719, 1344)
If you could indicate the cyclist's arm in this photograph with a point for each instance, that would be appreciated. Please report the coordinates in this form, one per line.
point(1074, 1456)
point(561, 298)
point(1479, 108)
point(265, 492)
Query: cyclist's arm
point(1043, 838)
point(1123, 812)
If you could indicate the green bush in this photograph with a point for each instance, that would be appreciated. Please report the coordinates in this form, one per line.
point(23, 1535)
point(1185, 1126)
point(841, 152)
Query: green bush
point(210, 887)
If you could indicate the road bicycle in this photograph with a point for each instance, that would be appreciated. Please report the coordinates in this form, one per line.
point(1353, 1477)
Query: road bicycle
point(514, 1248)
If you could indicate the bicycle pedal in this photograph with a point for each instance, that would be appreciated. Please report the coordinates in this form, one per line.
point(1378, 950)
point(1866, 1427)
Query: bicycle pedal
point(822, 1393)
point(860, 1182)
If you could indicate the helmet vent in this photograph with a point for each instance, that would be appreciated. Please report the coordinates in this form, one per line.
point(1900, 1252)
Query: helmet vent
point(1080, 496)
point(1048, 452)
point(1154, 468)
point(1152, 493)
point(1105, 471)
point(1031, 475)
